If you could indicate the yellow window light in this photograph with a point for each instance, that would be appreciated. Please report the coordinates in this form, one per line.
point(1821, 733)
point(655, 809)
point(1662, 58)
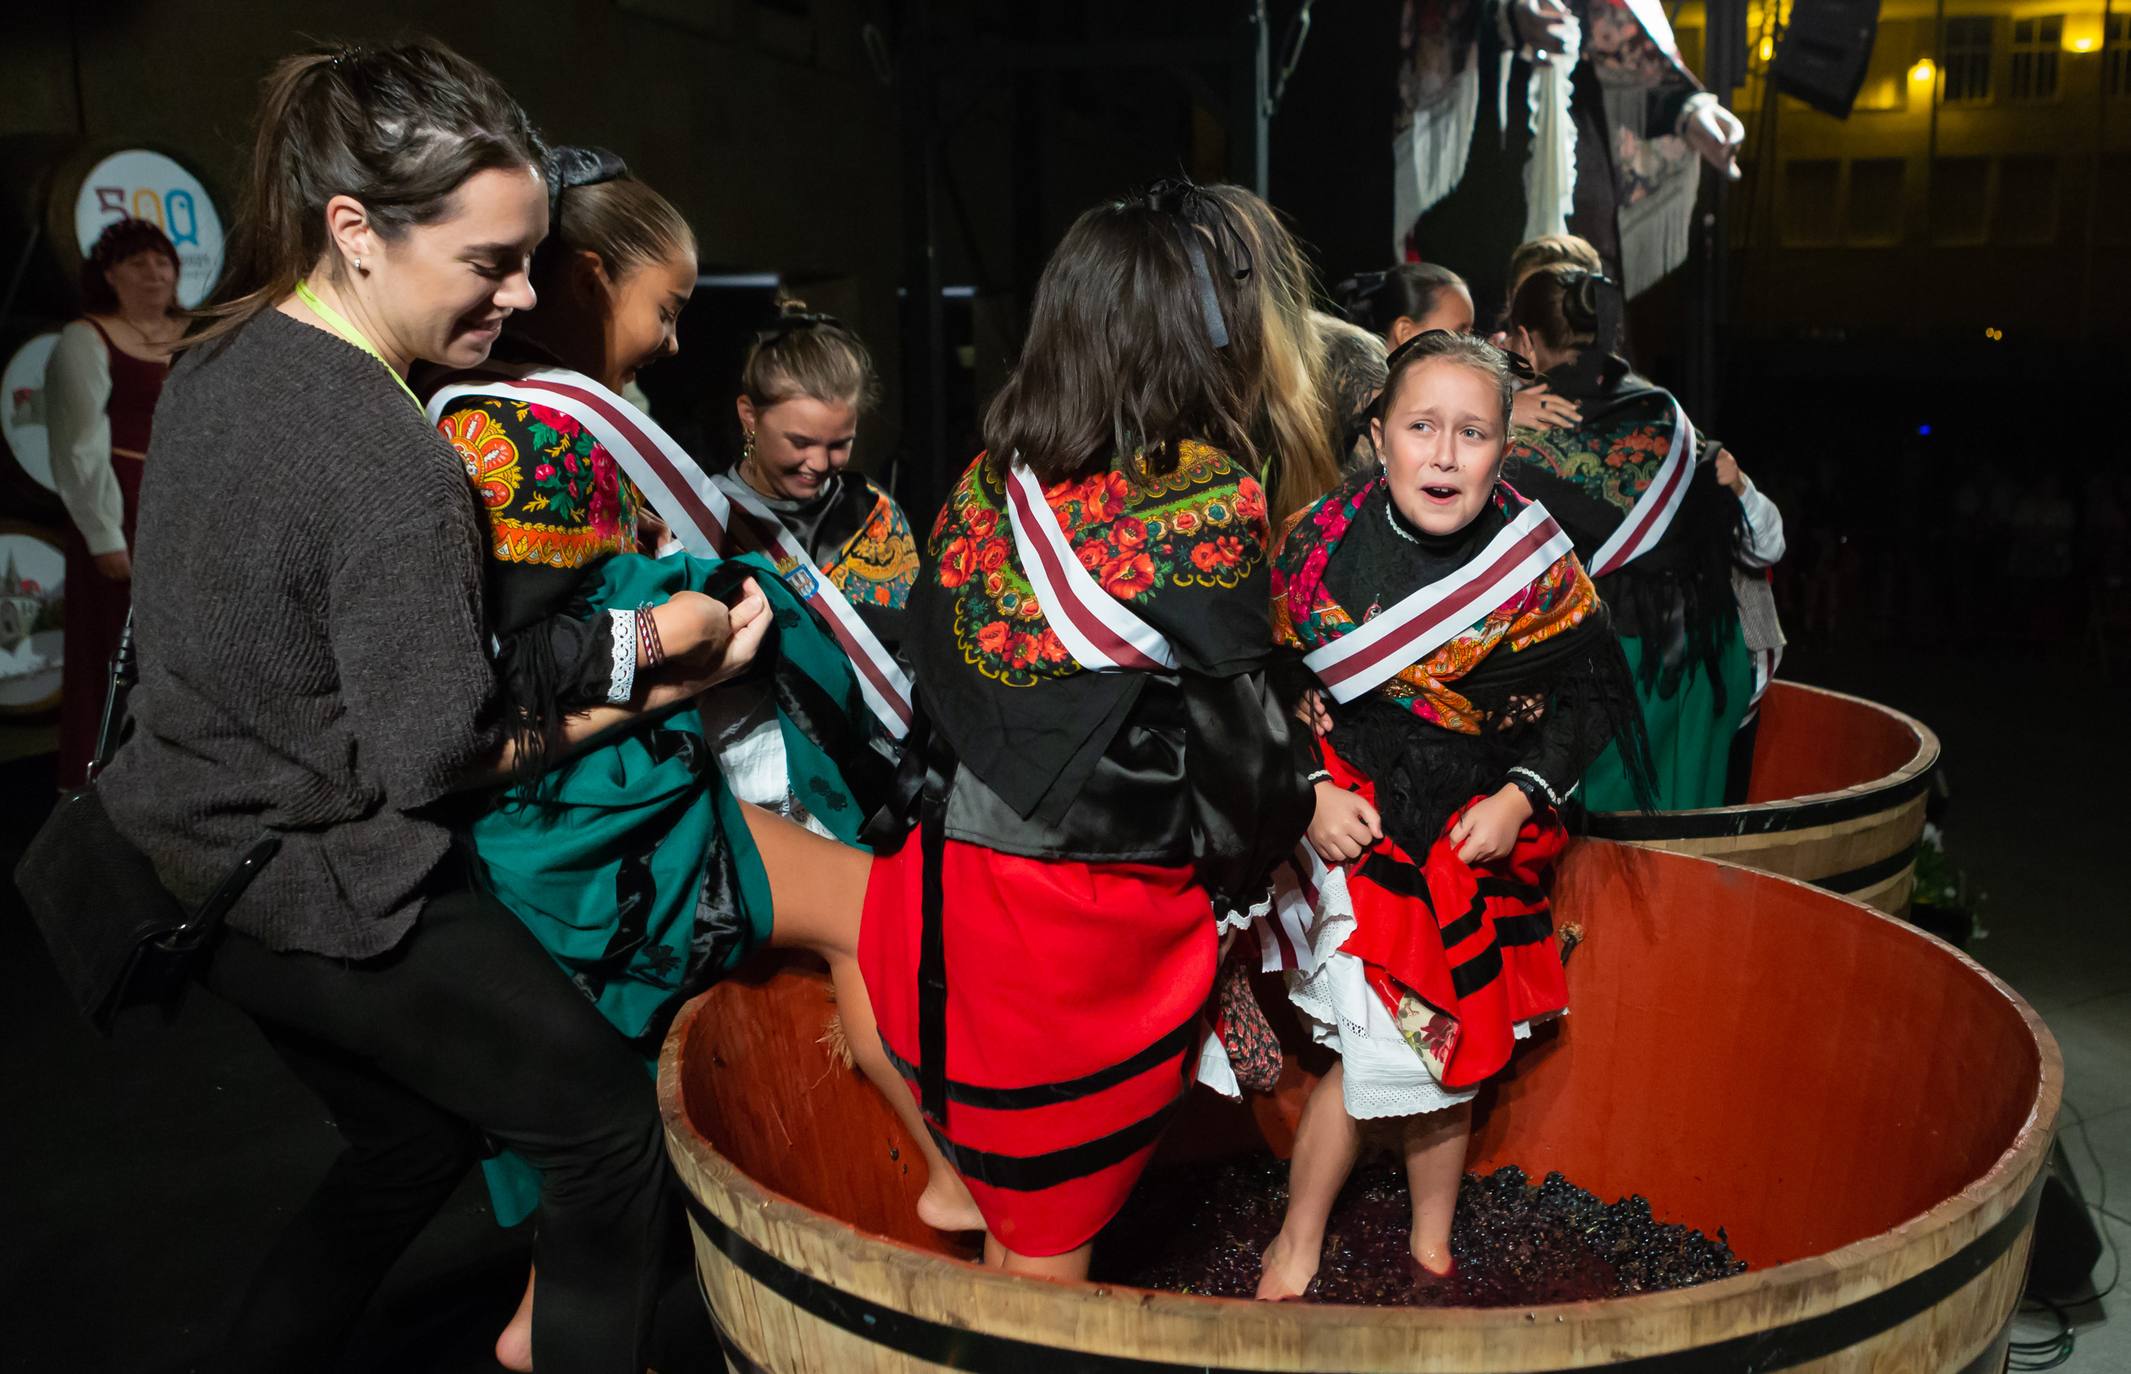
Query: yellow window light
point(1768, 49)
point(1924, 71)
point(2082, 33)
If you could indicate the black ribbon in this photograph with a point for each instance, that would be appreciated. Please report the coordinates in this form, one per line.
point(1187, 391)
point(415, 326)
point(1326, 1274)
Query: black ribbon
point(919, 793)
point(565, 169)
point(1189, 203)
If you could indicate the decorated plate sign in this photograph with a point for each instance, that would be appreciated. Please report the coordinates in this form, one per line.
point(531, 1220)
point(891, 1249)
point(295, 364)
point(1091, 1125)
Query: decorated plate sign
point(22, 407)
point(150, 186)
point(33, 575)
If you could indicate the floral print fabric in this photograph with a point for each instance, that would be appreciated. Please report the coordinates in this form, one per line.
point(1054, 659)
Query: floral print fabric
point(1202, 526)
point(553, 495)
point(1306, 616)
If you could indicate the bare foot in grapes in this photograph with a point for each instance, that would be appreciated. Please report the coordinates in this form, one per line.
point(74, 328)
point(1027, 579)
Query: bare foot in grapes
point(514, 1348)
point(1286, 1273)
point(946, 1205)
point(1435, 1261)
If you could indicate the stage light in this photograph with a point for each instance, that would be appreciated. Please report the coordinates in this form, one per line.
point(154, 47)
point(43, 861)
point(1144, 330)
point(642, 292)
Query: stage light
point(1768, 49)
point(1924, 71)
point(1923, 431)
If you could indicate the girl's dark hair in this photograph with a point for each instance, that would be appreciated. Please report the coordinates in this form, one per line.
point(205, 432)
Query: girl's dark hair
point(1560, 305)
point(1120, 358)
point(804, 354)
point(398, 128)
point(120, 240)
point(597, 207)
point(1378, 300)
point(1466, 350)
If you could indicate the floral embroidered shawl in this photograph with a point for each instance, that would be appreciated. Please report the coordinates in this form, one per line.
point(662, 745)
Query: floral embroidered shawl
point(1306, 616)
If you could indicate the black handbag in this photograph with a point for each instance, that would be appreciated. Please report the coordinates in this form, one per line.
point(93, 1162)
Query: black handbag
point(117, 936)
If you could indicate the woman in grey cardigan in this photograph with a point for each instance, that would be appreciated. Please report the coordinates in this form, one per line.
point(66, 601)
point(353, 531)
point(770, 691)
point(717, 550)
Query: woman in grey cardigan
point(314, 664)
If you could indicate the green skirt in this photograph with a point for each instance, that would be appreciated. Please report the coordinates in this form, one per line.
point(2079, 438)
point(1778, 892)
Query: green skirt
point(632, 863)
point(1690, 737)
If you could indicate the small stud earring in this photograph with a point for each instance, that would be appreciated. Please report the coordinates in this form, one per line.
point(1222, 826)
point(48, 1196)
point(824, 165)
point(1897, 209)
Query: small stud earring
point(358, 264)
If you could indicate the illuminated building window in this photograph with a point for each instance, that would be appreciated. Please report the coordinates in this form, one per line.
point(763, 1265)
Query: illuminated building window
point(2031, 62)
point(1967, 59)
point(2116, 54)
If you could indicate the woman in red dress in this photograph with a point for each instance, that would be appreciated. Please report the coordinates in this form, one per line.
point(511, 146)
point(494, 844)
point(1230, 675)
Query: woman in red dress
point(101, 387)
point(1107, 769)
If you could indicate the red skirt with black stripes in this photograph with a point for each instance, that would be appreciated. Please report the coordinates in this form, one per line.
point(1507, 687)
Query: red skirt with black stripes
point(1075, 1001)
point(1475, 944)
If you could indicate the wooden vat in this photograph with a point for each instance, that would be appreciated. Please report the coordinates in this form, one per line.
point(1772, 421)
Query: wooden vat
point(1864, 1109)
point(1837, 798)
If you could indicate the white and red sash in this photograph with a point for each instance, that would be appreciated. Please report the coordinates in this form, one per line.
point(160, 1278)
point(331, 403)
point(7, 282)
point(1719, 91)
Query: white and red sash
point(1097, 629)
point(1409, 630)
point(708, 522)
point(880, 677)
point(1653, 511)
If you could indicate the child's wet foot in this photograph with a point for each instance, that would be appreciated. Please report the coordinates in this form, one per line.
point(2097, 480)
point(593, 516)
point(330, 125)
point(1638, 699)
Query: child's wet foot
point(1285, 1274)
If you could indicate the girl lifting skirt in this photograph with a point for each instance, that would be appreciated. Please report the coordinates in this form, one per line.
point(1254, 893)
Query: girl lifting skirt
point(1472, 678)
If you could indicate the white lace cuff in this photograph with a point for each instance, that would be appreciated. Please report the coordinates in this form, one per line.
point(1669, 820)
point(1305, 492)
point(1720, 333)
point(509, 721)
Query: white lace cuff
point(621, 687)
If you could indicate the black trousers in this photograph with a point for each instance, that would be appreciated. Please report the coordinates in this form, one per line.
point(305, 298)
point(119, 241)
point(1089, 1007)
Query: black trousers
point(466, 1027)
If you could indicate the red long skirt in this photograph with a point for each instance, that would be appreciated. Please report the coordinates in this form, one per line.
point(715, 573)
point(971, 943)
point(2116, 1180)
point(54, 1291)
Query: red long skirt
point(1075, 1001)
point(1475, 944)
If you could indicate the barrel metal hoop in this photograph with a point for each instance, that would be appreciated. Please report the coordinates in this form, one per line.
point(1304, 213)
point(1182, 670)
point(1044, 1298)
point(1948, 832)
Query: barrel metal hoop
point(1763, 819)
point(954, 1347)
point(1871, 874)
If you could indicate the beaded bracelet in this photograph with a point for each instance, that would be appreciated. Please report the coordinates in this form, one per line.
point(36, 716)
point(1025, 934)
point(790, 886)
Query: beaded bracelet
point(1321, 775)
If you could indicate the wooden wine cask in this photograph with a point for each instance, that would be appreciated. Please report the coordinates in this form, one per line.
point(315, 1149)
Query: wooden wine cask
point(1862, 1108)
point(1837, 798)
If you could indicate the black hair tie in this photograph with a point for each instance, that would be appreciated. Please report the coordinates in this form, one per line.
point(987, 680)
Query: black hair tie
point(567, 168)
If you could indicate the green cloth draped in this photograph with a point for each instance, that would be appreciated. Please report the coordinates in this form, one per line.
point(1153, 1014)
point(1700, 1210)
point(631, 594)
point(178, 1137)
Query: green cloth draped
point(608, 858)
point(1690, 736)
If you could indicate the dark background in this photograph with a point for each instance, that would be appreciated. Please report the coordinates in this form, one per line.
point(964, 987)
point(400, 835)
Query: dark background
point(1956, 503)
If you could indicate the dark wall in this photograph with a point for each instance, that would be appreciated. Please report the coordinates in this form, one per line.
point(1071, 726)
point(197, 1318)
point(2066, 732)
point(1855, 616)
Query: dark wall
point(771, 133)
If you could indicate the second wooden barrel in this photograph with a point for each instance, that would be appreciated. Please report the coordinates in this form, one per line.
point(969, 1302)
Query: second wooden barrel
point(1837, 798)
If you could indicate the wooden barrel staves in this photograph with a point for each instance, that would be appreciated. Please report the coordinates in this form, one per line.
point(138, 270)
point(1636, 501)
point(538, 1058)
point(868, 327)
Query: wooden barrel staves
point(1864, 1109)
point(1837, 798)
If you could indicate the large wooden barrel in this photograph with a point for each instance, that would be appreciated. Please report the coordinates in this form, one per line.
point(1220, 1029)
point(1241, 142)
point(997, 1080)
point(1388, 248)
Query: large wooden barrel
point(1836, 798)
point(1864, 1110)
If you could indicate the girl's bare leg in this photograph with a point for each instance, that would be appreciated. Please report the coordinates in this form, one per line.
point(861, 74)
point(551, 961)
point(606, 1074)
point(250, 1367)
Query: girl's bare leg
point(818, 893)
point(1435, 1165)
point(1073, 1264)
point(514, 1348)
point(1326, 1144)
